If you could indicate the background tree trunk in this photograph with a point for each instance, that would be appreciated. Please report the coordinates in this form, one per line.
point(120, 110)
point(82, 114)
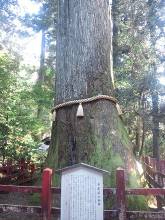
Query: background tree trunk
point(155, 129)
point(42, 57)
point(40, 79)
point(152, 4)
point(84, 69)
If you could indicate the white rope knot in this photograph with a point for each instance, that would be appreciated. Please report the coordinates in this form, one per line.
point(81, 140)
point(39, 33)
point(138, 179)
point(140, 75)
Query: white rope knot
point(80, 112)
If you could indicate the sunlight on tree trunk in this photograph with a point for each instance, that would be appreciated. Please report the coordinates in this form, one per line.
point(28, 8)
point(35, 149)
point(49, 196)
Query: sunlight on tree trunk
point(84, 65)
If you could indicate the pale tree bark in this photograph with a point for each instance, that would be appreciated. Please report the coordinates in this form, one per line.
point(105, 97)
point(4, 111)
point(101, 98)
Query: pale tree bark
point(42, 57)
point(140, 127)
point(84, 66)
point(155, 129)
point(40, 79)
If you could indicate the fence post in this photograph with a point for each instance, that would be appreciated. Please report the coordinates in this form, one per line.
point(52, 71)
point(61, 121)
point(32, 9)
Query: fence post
point(120, 193)
point(46, 194)
point(160, 183)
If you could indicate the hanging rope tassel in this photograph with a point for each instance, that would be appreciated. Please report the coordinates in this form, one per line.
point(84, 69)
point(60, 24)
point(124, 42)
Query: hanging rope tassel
point(54, 115)
point(119, 109)
point(80, 111)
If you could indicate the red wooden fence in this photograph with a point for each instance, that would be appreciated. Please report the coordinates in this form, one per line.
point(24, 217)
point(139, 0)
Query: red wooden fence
point(154, 172)
point(121, 192)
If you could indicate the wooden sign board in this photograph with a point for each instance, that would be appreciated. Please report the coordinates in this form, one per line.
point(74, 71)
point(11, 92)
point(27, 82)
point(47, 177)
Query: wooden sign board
point(82, 193)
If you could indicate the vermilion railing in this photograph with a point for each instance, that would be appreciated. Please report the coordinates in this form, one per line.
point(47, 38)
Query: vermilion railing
point(154, 172)
point(45, 210)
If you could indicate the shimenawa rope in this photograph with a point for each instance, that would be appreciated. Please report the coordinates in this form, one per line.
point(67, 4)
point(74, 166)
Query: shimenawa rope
point(80, 112)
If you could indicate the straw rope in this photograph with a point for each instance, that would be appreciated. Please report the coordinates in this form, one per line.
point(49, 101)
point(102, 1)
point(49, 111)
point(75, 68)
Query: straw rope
point(78, 101)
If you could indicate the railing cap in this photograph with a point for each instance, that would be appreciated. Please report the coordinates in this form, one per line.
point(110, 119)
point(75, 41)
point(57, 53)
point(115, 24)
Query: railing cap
point(120, 168)
point(48, 170)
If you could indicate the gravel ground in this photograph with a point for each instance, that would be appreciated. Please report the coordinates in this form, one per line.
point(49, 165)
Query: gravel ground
point(24, 200)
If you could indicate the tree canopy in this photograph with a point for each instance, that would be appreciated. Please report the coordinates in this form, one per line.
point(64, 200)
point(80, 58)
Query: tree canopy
point(138, 66)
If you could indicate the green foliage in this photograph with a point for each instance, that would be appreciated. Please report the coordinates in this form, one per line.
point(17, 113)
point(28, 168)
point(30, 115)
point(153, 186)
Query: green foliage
point(25, 106)
point(20, 129)
point(137, 31)
point(7, 15)
point(137, 203)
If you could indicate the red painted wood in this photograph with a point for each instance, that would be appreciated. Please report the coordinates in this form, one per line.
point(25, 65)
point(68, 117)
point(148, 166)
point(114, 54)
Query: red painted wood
point(120, 193)
point(146, 215)
point(23, 189)
point(154, 171)
point(109, 191)
point(56, 190)
point(46, 194)
point(146, 192)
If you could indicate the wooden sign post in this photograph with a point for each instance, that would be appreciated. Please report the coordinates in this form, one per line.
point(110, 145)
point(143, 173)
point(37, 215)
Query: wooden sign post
point(82, 193)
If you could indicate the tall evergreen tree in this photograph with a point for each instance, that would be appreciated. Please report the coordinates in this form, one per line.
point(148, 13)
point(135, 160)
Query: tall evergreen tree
point(84, 67)
point(155, 24)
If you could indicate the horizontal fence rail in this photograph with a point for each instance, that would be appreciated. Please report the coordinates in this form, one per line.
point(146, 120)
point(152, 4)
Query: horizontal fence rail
point(23, 189)
point(145, 192)
point(45, 210)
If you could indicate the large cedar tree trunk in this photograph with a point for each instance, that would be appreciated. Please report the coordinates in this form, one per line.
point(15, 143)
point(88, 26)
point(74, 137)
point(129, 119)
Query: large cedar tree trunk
point(84, 69)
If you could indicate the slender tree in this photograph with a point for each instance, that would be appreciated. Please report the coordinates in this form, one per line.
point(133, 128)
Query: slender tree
point(152, 20)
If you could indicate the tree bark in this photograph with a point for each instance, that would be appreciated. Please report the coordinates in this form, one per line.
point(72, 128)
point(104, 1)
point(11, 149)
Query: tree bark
point(152, 16)
point(40, 79)
point(115, 17)
point(155, 129)
point(84, 69)
point(42, 57)
point(83, 49)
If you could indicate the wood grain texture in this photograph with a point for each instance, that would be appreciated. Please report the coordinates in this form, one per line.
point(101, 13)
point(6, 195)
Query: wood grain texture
point(84, 66)
point(83, 49)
